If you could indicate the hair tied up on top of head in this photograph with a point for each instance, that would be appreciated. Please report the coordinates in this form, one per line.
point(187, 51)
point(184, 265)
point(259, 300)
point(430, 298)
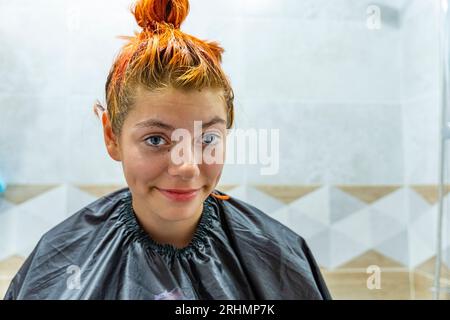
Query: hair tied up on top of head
point(151, 14)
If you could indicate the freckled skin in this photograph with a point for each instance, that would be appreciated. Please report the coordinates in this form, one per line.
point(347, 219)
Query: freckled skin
point(147, 168)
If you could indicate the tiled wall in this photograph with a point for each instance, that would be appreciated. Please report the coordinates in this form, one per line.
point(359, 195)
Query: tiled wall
point(357, 110)
point(339, 224)
point(353, 105)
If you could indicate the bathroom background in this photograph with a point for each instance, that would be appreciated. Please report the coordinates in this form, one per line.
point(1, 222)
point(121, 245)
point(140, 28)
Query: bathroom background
point(355, 88)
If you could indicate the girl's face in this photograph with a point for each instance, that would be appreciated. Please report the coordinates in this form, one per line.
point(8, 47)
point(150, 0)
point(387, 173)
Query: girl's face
point(153, 163)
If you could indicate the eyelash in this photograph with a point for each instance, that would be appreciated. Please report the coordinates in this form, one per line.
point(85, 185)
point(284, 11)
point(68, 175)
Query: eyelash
point(152, 145)
point(216, 136)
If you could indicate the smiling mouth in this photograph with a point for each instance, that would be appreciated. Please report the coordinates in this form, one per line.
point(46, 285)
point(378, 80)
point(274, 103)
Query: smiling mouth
point(179, 194)
point(180, 190)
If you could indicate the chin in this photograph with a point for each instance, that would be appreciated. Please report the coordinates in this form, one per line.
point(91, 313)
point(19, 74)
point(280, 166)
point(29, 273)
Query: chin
point(179, 215)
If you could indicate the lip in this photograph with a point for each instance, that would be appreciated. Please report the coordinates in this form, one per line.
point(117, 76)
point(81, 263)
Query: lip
point(179, 194)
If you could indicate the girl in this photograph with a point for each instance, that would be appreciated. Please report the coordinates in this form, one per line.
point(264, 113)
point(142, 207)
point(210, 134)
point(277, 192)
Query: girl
point(169, 234)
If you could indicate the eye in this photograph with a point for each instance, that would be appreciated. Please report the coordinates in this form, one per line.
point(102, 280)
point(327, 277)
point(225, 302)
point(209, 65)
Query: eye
point(155, 141)
point(211, 138)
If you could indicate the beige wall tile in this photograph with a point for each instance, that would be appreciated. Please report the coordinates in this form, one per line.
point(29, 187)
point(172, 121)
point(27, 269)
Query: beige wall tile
point(423, 284)
point(4, 284)
point(225, 188)
point(430, 192)
point(285, 193)
point(21, 193)
point(353, 285)
point(369, 258)
point(99, 190)
point(368, 194)
point(428, 267)
point(10, 266)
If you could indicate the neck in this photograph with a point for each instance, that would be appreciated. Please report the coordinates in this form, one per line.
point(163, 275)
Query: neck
point(177, 233)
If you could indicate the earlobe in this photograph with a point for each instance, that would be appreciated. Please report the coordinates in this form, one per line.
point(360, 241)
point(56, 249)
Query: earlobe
point(110, 138)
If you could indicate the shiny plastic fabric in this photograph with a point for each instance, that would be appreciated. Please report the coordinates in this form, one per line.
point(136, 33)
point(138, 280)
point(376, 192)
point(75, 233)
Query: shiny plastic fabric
point(102, 252)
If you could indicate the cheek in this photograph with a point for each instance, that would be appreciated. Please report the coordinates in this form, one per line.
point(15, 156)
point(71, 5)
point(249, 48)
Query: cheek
point(212, 172)
point(143, 165)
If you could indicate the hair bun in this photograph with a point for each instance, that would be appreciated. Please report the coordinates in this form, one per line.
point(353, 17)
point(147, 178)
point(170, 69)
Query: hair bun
point(149, 13)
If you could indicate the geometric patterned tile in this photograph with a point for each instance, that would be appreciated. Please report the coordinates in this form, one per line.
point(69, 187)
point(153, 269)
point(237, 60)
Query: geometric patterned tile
point(321, 249)
point(286, 194)
point(298, 222)
point(333, 249)
point(18, 194)
point(396, 247)
point(430, 193)
point(408, 248)
point(328, 205)
point(258, 199)
point(5, 205)
point(342, 204)
point(371, 257)
point(423, 287)
point(10, 265)
point(403, 205)
point(76, 199)
point(57, 204)
point(282, 215)
point(368, 226)
point(368, 194)
point(99, 190)
point(226, 187)
point(304, 225)
point(357, 226)
point(428, 267)
point(4, 284)
point(28, 221)
point(343, 248)
point(394, 285)
point(425, 228)
point(27, 229)
point(419, 250)
point(382, 227)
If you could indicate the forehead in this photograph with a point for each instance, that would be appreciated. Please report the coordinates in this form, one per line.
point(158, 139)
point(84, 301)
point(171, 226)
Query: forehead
point(177, 107)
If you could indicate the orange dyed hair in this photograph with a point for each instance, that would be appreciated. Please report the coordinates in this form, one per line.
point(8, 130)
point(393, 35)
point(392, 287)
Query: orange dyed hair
point(163, 56)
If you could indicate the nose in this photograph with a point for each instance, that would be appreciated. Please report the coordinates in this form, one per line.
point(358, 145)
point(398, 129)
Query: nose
point(184, 162)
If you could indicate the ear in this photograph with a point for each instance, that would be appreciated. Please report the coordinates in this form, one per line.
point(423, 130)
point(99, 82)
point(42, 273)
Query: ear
point(111, 141)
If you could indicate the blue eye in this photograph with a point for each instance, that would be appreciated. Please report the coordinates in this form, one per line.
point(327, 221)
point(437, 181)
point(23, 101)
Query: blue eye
point(154, 141)
point(211, 139)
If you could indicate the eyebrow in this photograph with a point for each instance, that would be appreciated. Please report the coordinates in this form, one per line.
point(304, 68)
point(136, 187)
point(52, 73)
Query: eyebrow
point(159, 124)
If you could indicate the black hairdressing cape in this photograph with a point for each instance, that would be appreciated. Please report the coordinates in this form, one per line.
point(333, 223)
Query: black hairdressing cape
point(102, 252)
